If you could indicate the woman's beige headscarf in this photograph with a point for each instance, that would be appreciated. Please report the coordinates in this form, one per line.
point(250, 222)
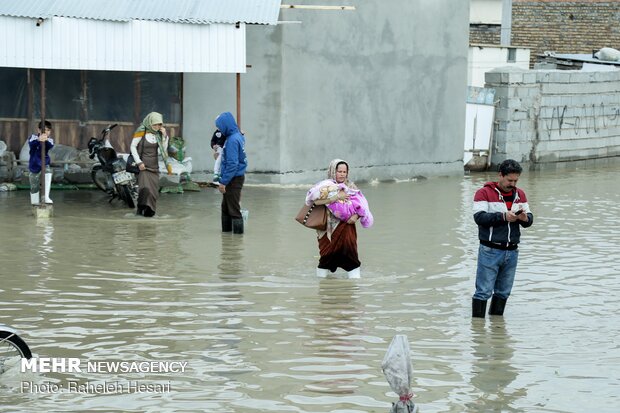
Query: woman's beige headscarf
point(151, 119)
point(331, 172)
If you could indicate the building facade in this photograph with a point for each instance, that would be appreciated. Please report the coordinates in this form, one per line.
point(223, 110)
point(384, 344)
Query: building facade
point(382, 87)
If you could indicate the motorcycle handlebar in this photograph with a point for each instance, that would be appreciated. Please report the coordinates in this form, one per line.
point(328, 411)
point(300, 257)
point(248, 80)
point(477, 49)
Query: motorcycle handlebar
point(109, 128)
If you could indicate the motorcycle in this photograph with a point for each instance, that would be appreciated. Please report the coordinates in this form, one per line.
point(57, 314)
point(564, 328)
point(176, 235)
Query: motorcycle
point(109, 174)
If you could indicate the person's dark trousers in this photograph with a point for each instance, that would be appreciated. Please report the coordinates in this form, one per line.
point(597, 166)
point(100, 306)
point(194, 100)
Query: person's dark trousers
point(478, 307)
point(497, 305)
point(237, 226)
point(226, 223)
point(231, 206)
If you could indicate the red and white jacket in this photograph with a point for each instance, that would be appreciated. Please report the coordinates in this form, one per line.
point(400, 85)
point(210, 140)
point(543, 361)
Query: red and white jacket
point(490, 215)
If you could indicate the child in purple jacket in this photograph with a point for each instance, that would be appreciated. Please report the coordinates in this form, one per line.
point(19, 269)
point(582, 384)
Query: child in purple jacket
point(42, 137)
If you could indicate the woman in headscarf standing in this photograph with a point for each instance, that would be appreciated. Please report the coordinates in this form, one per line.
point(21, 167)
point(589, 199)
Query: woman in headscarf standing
point(338, 243)
point(149, 141)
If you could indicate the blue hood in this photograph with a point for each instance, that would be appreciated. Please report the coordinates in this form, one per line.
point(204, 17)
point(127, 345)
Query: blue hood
point(226, 124)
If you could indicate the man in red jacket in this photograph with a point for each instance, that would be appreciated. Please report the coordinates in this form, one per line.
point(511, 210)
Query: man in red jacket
point(500, 210)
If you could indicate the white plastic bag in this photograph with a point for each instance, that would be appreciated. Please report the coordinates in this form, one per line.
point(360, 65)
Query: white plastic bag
point(397, 369)
point(609, 54)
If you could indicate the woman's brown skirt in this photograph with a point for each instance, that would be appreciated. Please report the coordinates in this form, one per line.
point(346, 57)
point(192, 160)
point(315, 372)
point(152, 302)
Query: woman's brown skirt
point(148, 182)
point(341, 251)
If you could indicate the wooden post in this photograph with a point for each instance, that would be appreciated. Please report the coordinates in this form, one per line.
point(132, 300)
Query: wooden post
point(42, 210)
point(83, 107)
point(137, 99)
point(42, 180)
point(30, 85)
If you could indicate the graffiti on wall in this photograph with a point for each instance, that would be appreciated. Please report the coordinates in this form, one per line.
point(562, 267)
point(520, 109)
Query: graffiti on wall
point(588, 118)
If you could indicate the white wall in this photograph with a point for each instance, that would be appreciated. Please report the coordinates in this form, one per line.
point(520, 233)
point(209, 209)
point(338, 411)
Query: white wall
point(485, 11)
point(485, 58)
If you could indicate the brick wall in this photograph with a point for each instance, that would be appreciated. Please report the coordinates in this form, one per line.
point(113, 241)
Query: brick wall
point(563, 26)
point(484, 34)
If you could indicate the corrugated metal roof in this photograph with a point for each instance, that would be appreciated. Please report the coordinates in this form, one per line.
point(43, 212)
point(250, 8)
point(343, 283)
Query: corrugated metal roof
point(174, 11)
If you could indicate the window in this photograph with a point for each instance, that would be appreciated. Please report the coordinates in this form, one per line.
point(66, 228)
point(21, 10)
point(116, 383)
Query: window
point(512, 55)
point(14, 101)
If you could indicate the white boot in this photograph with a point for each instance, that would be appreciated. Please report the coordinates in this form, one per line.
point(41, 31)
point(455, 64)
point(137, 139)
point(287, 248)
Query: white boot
point(48, 187)
point(321, 272)
point(354, 273)
point(34, 198)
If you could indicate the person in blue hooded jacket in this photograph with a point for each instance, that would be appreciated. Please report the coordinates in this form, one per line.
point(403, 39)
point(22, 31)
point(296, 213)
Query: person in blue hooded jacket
point(232, 175)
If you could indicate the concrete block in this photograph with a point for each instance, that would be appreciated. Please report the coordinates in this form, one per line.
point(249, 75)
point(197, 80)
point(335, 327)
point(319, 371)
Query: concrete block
point(571, 88)
point(542, 76)
point(529, 77)
point(520, 115)
point(526, 91)
point(525, 147)
point(561, 76)
point(502, 114)
point(493, 77)
point(612, 76)
point(503, 92)
point(513, 148)
point(513, 136)
point(581, 77)
point(515, 77)
point(514, 103)
point(513, 126)
point(551, 100)
point(546, 156)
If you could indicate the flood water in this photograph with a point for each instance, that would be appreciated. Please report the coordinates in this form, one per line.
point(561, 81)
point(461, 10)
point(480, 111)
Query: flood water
point(260, 332)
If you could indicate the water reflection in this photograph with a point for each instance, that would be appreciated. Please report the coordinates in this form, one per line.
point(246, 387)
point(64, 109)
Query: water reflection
point(261, 333)
point(493, 372)
point(336, 330)
point(42, 245)
point(232, 262)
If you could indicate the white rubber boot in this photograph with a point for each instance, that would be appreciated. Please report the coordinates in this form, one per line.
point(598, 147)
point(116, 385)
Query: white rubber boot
point(354, 273)
point(34, 198)
point(48, 187)
point(321, 272)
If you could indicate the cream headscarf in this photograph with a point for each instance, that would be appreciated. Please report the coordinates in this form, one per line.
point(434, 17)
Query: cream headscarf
point(151, 119)
point(331, 172)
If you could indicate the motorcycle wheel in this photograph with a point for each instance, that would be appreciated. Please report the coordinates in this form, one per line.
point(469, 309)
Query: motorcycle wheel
point(125, 194)
point(11, 345)
point(99, 177)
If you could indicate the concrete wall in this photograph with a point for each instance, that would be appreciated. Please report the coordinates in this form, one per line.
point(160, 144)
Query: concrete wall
point(555, 116)
point(382, 87)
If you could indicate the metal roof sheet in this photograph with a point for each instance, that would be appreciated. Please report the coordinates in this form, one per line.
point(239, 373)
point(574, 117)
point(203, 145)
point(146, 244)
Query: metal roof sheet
point(578, 57)
point(174, 11)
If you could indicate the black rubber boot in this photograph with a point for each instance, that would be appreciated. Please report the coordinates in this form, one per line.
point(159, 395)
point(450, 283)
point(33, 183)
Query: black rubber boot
point(226, 223)
point(478, 308)
point(237, 225)
point(497, 305)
